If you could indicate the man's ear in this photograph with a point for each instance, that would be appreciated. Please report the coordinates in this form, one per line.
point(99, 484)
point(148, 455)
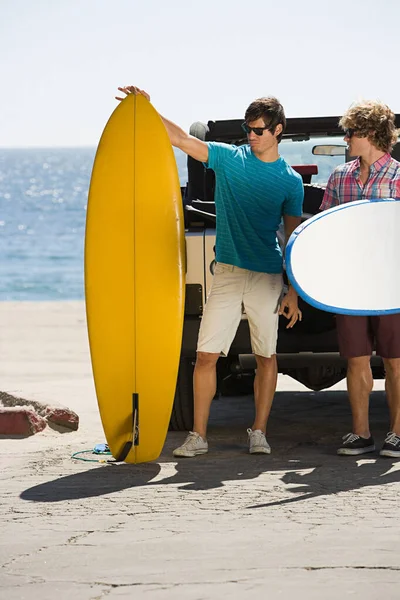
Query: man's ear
point(278, 129)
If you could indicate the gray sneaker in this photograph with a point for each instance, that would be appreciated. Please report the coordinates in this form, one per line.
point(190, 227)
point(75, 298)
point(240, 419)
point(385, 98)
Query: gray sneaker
point(257, 442)
point(192, 446)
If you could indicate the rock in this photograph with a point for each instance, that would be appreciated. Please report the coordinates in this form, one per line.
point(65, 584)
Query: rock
point(36, 413)
point(62, 416)
point(20, 421)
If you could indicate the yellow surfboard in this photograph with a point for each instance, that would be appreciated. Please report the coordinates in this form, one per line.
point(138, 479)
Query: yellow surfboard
point(134, 279)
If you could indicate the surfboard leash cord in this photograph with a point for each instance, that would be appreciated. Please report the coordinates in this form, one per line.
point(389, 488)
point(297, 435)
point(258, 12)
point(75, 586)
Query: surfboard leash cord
point(102, 449)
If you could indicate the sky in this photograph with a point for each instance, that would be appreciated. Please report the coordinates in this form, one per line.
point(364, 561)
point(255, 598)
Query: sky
point(61, 61)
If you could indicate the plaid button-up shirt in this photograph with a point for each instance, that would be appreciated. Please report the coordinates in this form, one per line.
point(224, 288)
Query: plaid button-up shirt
point(345, 185)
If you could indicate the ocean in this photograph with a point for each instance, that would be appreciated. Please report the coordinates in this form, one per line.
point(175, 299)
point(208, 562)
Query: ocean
point(43, 200)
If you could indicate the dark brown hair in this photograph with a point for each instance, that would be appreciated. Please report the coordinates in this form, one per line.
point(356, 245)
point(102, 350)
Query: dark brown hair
point(270, 110)
point(373, 120)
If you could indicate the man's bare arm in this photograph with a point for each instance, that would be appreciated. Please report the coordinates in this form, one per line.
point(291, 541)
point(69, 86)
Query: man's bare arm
point(196, 148)
point(289, 305)
point(290, 224)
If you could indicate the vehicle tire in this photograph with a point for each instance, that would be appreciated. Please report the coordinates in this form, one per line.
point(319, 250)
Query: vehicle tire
point(182, 410)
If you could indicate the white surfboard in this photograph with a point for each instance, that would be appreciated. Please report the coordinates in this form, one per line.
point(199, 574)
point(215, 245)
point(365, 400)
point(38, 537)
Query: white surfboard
point(346, 260)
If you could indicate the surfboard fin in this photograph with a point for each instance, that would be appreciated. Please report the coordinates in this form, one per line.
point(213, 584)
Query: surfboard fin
point(134, 441)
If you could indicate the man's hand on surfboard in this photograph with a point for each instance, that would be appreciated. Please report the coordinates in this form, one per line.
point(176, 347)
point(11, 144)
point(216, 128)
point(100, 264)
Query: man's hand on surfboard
point(132, 89)
point(189, 144)
point(289, 308)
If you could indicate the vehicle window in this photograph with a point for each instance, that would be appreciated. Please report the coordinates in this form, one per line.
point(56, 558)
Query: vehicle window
point(295, 152)
point(300, 153)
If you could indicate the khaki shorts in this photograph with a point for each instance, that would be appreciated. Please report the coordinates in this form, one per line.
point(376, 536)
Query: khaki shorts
point(260, 295)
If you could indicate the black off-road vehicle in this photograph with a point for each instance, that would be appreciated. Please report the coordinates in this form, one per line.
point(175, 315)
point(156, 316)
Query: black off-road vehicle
point(308, 352)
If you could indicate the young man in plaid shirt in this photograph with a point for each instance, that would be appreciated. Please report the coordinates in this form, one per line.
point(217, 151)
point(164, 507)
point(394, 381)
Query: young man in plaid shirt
point(370, 132)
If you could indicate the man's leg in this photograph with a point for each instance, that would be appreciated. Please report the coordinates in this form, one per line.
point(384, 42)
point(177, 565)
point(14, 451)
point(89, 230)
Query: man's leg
point(261, 302)
point(359, 386)
point(387, 331)
point(392, 385)
point(220, 321)
point(391, 445)
point(264, 390)
point(204, 387)
point(355, 338)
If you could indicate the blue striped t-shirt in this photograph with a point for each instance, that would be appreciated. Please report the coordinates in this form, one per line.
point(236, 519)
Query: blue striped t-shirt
point(251, 196)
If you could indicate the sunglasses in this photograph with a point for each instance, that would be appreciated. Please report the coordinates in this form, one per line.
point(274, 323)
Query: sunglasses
point(257, 130)
point(349, 132)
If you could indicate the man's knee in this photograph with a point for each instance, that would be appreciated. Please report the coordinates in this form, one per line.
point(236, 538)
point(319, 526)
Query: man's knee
point(358, 363)
point(392, 366)
point(265, 362)
point(206, 359)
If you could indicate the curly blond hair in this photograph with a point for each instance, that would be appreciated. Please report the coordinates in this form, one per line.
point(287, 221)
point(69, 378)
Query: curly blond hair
point(374, 120)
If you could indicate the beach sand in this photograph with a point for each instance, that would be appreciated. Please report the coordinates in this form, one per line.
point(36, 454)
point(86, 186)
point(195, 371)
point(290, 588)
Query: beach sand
point(301, 522)
point(44, 356)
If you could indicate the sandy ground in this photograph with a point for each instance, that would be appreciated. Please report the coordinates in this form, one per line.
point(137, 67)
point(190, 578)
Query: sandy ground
point(301, 522)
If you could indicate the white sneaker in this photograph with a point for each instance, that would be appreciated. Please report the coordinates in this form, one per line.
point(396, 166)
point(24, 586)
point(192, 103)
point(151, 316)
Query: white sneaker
point(257, 442)
point(192, 446)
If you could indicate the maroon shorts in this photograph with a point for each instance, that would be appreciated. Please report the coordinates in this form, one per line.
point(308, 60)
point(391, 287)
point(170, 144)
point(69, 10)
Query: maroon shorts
point(358, 336)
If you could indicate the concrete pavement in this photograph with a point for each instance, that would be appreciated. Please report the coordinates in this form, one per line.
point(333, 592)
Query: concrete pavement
point(301, 522)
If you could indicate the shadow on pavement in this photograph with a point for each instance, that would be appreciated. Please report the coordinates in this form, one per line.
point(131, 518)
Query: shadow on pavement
point(327, 479)
point(304, 431)
point(95, 482)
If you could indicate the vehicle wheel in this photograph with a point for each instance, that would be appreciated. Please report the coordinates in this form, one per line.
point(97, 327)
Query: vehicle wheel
point(319, 377)
point(182, 411)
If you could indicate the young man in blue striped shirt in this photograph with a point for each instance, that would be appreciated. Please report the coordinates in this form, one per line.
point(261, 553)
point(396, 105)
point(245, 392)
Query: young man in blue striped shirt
point(255, 188)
